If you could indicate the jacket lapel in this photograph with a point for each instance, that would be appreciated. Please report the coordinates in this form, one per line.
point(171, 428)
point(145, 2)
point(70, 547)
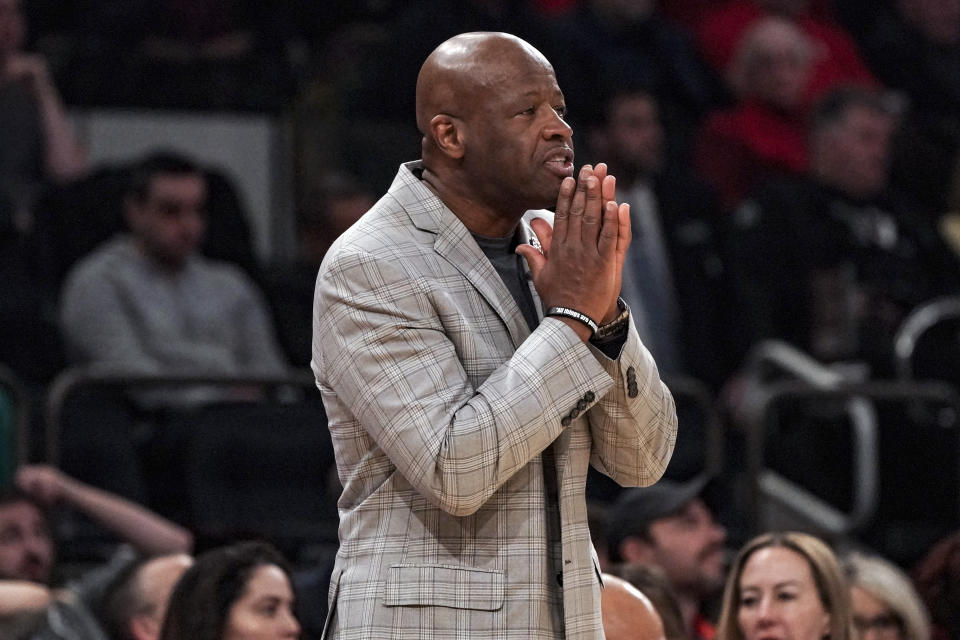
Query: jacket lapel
point(455, 244)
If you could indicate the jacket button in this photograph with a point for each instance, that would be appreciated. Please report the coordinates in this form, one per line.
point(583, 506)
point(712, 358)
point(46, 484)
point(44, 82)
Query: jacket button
point(632, 391)
point(574, 413)
point(589, 396)
point(582, 404)
point(566, 420)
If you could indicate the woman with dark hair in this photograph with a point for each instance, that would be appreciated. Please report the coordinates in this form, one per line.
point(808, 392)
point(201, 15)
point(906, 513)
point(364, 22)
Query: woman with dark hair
point(240, 592)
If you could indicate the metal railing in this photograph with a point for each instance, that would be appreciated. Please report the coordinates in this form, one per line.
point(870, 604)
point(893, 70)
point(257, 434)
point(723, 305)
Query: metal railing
point(806, 375)
point(920, 320)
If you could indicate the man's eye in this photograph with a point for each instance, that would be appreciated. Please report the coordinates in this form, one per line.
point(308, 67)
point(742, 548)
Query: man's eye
point(561, 110)
point(529, 111)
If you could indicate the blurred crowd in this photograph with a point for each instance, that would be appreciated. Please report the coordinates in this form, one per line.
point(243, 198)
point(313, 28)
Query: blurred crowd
point(793, 171)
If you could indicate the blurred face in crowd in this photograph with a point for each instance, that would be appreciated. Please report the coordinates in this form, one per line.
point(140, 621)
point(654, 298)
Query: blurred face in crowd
point(773, 64)
point(264, 610)
point(635, 135)
point(854, 154)
point(26, 546)
point(155, 583)
point(873, 619)
point(690, 548)
point(12, 29)
point(169, 223)
point(938, 20)
point(778, 598)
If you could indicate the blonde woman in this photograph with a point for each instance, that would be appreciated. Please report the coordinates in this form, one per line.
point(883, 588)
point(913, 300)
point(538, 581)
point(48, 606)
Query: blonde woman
point(785, 585)
point(885, 604)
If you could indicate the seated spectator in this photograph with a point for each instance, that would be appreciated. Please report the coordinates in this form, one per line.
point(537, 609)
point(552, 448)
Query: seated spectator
point(240, 592)
point(653, 583)
point(135, 604)
point(627, 613)
point(668, 525)
point(148, 302)
point(884, 602)
point(836, 61)
point(833, 261)
point(763, 135)
point(785, 585)
point(937, 577)
point(914, 46)
point(28, 551)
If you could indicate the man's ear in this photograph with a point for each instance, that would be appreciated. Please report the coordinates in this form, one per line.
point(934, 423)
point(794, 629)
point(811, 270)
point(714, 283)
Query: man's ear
point(449, 134)
point(636, 549)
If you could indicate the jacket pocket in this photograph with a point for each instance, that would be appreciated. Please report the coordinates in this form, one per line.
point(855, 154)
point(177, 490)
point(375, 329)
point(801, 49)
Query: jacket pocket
point(444, 586)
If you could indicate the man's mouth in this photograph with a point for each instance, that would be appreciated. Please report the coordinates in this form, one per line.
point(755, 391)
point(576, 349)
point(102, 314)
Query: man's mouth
point(560, 162)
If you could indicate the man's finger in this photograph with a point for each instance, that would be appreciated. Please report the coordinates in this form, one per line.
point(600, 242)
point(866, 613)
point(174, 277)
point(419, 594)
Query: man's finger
point(544, 234)
point(592, 212)
point(607, 243)
point(561, 215)
point(608, 190)
point(534, 258)
point(625, 232)
point(578, 204)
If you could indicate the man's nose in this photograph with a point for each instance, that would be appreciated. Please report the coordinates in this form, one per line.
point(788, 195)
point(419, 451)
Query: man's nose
point(557, 126)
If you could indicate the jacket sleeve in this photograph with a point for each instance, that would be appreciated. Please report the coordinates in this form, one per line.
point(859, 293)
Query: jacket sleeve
point(381, 346)
point(634, 426)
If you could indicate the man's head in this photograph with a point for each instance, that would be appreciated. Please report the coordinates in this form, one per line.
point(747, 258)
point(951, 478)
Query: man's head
point(633, 136)
point(166, 208)
point(850, 137)
point(492, 118)
point(772, 63)
point(136, 603)
point(26, 543)
point(12, 29)
point(627, 613)
point(669, 525)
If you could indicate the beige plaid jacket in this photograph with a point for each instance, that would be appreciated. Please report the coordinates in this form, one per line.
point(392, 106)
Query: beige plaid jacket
point(440, 401)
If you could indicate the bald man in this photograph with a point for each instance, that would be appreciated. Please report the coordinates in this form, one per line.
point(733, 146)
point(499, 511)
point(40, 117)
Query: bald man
point(474, 360)
point(627, 613)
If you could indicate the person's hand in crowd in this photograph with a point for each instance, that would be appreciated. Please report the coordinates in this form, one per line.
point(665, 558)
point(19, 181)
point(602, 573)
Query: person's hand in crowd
point(44, 483)
point(29, 68)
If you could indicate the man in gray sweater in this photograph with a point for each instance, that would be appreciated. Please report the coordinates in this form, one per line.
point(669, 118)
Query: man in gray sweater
point(148, 302)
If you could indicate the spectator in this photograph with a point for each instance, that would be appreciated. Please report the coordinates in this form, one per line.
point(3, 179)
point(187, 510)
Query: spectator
point(28, 550)
point(135, 604)
point(627, 613)
point(653, 583)
point(854, 256)
point(668, 525)
point(147, 302)
point(785, 585)
point(914, 46)
point(836, 61)
point(240, 592)
point(884, 601)
point(674, 281)
point(763, 134)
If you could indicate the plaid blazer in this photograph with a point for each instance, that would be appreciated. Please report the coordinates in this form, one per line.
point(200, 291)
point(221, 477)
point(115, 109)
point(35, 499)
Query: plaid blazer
point(440, 401)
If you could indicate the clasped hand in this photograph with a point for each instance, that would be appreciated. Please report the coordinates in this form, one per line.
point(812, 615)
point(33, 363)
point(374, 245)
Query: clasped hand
point(581, 263)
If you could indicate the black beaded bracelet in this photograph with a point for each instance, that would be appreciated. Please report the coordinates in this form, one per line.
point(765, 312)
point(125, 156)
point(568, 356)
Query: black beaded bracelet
point(567, 312)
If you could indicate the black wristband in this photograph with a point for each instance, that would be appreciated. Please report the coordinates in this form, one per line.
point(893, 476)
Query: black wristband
point(567, 312)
